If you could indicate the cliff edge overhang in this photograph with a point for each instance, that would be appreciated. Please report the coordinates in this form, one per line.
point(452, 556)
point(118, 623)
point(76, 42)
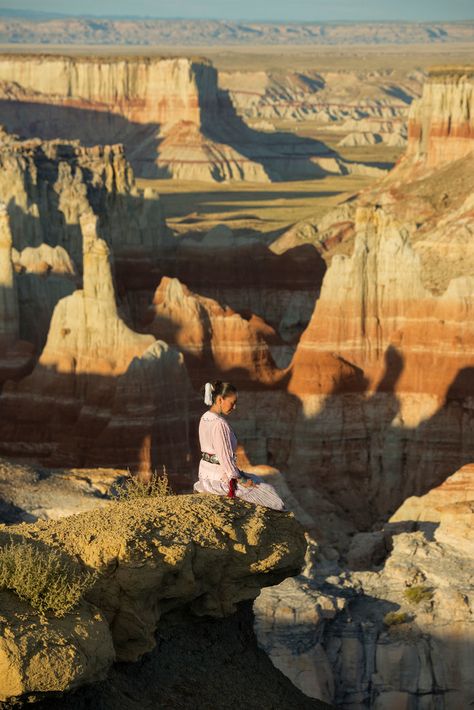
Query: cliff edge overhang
point(199, 554)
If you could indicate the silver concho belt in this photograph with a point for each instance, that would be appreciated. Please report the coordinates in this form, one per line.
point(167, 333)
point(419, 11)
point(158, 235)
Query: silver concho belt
point(210, 458)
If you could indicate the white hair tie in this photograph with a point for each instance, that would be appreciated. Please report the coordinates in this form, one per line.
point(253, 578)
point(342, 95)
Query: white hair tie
point(208, 394)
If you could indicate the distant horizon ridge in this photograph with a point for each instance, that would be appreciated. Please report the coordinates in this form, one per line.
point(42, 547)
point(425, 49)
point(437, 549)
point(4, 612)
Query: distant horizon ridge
point(44, 14)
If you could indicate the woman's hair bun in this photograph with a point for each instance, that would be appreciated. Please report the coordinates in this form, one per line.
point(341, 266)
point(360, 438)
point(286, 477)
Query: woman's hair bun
point(211, 390)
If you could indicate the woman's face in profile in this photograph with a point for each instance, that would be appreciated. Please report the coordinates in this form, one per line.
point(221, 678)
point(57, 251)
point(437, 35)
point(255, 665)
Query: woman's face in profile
point(227, 404)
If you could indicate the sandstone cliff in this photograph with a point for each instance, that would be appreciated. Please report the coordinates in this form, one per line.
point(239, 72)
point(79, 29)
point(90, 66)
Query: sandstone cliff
point(214, 340)
point(190, 555)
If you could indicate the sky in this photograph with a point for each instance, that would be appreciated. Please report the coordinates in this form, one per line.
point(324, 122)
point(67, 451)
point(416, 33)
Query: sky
point(269, 10)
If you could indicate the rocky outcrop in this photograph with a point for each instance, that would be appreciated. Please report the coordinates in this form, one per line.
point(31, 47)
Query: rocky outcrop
point(152, 556)
point(399, 635)
point(15, 355)
point(275, 280)
point(97, 371)
point(47, 186)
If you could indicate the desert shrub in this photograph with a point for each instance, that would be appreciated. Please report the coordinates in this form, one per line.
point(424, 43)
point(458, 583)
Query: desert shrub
point(393, 618)
point(133, 488)
point(418, 594)
point(42, 577)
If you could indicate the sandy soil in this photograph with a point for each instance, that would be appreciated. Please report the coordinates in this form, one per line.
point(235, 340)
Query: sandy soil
point(354, 57)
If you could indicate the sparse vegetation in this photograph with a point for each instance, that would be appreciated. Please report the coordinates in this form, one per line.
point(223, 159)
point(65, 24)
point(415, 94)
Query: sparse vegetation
point(133, 487)
point(417, 594)
point(43, 578)
point(394, 618)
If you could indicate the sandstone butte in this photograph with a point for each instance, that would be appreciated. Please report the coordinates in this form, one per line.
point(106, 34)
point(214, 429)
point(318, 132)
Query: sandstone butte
point(184, 557)
point(170, 114)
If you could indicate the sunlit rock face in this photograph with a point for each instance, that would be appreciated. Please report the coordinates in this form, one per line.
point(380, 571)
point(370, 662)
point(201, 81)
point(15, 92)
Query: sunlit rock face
point(441, 124)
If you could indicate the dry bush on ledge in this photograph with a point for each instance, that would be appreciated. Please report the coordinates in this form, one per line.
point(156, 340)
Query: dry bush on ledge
point(42, 578)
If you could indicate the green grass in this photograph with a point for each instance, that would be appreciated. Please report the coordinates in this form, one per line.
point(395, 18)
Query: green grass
point(43, 578)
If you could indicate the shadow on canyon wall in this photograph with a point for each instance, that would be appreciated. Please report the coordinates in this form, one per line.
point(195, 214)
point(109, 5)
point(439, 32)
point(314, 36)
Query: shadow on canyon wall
point(144, 254)
point(358, 452)
point(91, 127)
point(283, 156)
point(92, 420)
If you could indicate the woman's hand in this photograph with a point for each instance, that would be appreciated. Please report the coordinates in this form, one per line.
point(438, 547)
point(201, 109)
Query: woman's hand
point(247, 482)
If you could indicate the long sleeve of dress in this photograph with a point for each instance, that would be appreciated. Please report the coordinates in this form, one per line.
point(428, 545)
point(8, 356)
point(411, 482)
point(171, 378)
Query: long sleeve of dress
point(222, 445)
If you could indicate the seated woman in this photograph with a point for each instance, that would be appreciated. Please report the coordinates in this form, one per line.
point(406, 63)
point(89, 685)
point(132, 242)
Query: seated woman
point(218, 472)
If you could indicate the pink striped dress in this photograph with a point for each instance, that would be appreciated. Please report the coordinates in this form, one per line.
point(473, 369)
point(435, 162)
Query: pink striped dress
point(216, 437)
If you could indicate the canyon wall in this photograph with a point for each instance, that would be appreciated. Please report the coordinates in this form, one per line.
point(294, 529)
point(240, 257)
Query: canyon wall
point(99, 373)
point(376, 405)
point(380, 381)
point(71, 214)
